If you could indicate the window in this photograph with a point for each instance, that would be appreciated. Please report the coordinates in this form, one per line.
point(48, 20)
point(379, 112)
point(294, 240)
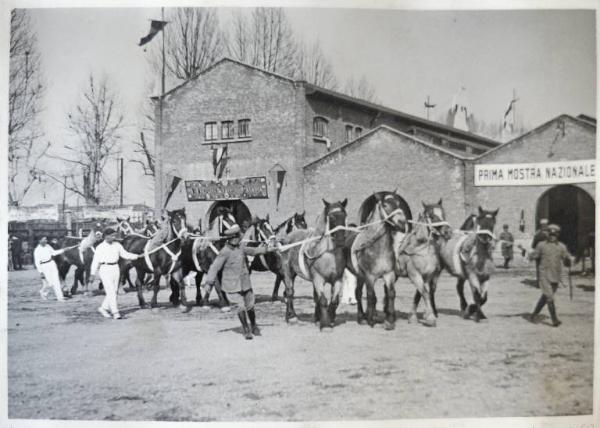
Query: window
point(227, 130)
point(243, 128)
point(349, 134)
point(358, 131)
point(320, 127)
point(210, 131)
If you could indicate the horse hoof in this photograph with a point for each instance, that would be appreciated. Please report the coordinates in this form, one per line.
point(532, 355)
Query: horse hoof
point(465, 315)
point(155, 310)
point(429, 322)
point(389, 325)
point(293, 320)
point(226, 309)
point(326, 329)
point(413, 319)
point(184, 308)
point(361, 321)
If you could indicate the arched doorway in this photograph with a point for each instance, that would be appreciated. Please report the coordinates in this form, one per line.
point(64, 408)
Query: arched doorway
point(239, 210)
point(574, 210)
point(369, 204)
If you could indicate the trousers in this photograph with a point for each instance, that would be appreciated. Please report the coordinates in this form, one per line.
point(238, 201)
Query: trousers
point(243, 300)
point(109, 275)
point(51, 281)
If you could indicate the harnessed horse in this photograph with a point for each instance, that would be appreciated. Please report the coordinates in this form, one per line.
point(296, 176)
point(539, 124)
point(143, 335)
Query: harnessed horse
point(467, 256)
point(78, 257)
point(163, 260)
point(371, 256)
point(319, 259)
point(124, 228)
point(199, 253)
point(263, 232)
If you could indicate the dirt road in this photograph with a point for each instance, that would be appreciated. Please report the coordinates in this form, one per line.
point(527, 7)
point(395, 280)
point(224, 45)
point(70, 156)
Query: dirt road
point(65, 361)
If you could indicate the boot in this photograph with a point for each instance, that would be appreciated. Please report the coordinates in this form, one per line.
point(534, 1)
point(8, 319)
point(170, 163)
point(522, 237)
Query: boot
point(555, 321)
point(538, 308)
point(245, 328)
point(252, 316)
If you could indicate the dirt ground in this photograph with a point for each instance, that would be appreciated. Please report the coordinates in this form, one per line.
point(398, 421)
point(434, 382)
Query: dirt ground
point(67, 362)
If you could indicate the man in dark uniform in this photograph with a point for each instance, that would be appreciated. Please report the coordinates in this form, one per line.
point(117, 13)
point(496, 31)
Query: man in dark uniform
point(540, 235)
point(507, 245)
point(232, 262)
point(551, 254)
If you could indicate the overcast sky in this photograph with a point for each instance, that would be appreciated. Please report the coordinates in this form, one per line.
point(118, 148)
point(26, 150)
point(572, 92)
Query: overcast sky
point(548, 57)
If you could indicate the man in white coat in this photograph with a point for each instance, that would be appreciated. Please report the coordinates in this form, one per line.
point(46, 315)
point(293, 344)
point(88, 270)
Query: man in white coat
point(45, 265)
point(106, 263)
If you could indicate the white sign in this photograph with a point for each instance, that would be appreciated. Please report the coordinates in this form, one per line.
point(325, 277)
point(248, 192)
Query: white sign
point(33, 213)
point(532, 174)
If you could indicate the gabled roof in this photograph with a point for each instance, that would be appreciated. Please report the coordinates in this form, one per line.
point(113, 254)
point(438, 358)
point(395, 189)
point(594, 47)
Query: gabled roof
point(216, 64)
point(536, 130)
point(394, 131)
point(587, 118)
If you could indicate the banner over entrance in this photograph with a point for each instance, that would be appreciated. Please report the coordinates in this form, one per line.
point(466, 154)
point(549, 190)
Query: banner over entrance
point(536, 174)
point(238, 188)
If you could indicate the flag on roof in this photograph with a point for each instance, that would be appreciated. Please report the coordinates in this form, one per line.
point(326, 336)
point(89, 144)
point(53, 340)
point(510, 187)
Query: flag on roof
point(155, 28)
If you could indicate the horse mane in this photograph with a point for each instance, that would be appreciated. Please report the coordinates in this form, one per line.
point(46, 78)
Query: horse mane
point(284, 223)
point(469, 223)
point(321, 222)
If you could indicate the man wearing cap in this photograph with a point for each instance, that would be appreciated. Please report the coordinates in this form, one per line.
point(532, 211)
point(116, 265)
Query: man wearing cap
point(45, 265)
point(232, 262)
point(540, 235)
point(507, 245)
point(106, 263)
point(551, 255)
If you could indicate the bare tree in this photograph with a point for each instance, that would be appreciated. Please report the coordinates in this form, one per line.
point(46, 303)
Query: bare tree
point(96, 124)
point(263, 39)
point(24, 103)
point(360, 89)
point(193, 41)
point(144, 146)
point(314, 67)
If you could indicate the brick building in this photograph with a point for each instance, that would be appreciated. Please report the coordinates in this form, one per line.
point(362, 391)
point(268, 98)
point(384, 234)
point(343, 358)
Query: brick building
point(289, 144)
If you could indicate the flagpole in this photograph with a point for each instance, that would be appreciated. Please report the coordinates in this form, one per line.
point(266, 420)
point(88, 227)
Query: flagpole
point(160, 107)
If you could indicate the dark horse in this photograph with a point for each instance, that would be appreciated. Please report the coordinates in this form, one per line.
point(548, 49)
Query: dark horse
point(467, 255)
point(79, 257)
point(162, 260)
point(318, 256)
point(273, 261)
point(197, 255)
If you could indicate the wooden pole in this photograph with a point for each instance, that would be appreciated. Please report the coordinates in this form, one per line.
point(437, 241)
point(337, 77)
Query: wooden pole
point(121, 180)
point(160, 121)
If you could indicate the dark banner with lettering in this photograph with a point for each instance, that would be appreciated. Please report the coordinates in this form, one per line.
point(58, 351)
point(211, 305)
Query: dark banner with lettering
point(237, 188)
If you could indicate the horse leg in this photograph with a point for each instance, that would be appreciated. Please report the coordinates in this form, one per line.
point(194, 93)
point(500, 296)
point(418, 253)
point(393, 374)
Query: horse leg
point(484, 296)
point(476, 291)
point(460, 289)
point(423, 288)
point(432, 288)
point(390, 296)
point(413, 316)
point(335, 300)
point(198, 281)
point(360, 313)
point(274, 295)
point(319, 287)
point(177, 281)
point(175, 296)
point(371, 300)
point(156, 287)
point(317, 307)
point(288, 280)
point(139, 285)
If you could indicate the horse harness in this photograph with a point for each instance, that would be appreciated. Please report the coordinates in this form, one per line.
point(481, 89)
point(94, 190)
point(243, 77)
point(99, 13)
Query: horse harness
point(174, 256)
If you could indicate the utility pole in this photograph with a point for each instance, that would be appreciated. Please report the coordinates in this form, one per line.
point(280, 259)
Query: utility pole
point(64, 201)
point(428, 106)
point(158, 150)
point(121, 180)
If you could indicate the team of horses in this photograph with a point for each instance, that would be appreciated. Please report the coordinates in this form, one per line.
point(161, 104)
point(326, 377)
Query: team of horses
point(387, 245)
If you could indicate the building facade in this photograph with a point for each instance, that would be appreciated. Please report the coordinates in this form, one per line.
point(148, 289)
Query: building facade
point(261, 144)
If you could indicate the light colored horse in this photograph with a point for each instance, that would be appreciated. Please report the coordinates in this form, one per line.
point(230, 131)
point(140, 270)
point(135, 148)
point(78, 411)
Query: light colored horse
point(319, 259)
point(372, 256)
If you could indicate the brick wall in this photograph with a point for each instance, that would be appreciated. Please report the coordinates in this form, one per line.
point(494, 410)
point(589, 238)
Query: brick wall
point(579, 142)
point(231, 91)
point(385, 160)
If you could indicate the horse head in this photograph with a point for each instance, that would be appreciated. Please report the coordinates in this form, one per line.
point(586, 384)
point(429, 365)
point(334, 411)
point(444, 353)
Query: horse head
point(436, 216)
point(225, 219)
point(123, 226)
point(263, 231)
point(298, 221)
point(390, 209)
point(178, 223)
point(334, 215)
point(484, 224)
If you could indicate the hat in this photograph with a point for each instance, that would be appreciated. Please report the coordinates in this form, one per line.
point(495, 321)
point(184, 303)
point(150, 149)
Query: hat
point(553, 229)
point(232, 232)
point(505, 226)
point(109, 231)
point(544, 221)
